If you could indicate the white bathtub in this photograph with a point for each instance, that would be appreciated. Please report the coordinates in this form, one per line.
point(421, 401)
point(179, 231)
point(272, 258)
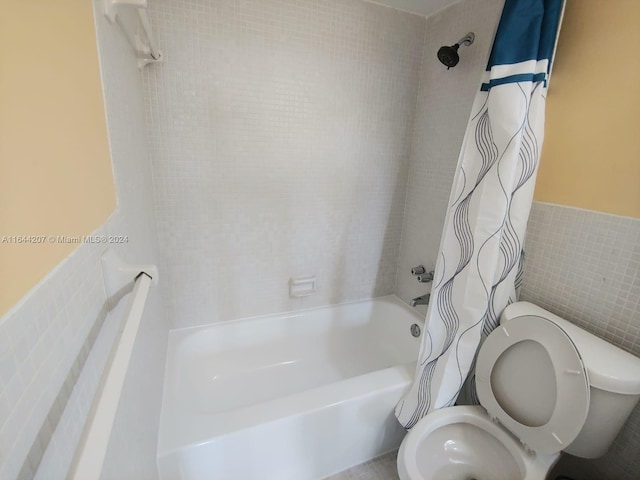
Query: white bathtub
point(293, 396)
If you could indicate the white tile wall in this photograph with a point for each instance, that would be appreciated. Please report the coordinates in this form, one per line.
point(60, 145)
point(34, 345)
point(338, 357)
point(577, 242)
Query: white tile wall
point(585, 266)
point(279, 133)
point(39, 344)
point(46, 340)
point(444, 104)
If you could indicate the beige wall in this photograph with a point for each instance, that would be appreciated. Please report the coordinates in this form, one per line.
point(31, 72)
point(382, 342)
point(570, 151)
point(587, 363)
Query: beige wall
point(591, 154)
point(55, 169)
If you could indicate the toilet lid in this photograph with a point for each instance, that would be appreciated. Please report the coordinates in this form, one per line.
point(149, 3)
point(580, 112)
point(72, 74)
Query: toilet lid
point(529, 375)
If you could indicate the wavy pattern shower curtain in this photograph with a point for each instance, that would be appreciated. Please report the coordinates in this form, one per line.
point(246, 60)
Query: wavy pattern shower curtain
point(480, 250)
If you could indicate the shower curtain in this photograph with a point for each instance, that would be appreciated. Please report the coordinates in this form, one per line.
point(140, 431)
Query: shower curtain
point(480, 251)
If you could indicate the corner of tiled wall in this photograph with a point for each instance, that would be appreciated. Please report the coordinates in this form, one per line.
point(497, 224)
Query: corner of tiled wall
point(132, 448)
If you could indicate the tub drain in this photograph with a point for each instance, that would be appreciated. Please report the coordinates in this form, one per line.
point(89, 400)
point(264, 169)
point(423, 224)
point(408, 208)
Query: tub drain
point(415, 330)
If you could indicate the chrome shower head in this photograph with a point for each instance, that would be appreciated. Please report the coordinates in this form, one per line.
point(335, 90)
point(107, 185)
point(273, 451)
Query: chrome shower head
point(448, 56)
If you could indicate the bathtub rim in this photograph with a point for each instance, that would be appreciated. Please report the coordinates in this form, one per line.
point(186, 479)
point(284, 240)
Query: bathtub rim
point(394, 299)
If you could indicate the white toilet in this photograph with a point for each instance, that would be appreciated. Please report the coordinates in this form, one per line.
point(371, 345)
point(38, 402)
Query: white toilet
point(545, 386)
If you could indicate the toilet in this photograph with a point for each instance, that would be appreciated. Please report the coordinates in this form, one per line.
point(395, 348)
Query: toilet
point(545, 386)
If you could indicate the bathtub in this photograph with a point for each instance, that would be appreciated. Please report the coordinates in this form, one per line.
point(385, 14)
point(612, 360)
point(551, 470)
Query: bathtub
point(296, 396)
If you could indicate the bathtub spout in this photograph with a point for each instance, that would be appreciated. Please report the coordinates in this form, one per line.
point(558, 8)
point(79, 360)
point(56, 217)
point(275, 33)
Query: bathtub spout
point(422, 300)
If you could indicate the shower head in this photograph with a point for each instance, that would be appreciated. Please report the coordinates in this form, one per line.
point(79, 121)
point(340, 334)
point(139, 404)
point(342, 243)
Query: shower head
point(449, 55)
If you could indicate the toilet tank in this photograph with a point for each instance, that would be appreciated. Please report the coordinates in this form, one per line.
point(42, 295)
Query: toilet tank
point(614, 379)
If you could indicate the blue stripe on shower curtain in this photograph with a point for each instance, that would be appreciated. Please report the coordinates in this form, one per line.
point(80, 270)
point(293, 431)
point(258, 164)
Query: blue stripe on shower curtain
point(521, 77)
point(491, 196)
point(528, 30)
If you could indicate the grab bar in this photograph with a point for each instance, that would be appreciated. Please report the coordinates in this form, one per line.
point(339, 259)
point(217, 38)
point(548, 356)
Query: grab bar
point(91, 453)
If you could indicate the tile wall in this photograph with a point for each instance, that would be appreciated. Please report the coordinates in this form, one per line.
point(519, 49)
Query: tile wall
point(279, 133)
point(444, 103)
point(48, 369)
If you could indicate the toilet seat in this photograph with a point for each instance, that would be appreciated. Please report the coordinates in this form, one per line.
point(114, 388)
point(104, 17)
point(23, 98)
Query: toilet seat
point(571, 382)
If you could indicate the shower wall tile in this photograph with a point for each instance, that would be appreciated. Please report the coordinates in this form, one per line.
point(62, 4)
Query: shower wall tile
point(585, 266)
point(279, 133)
point(444, 103)
point(52, 344)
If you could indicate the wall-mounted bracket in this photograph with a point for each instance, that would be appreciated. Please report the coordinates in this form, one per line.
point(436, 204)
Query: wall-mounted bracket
point(119, 275)
point(111, 7)
point(137, 30)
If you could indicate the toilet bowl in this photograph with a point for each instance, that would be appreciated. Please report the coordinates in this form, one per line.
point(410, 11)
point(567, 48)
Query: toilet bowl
point(462, 443)
point(545, 386)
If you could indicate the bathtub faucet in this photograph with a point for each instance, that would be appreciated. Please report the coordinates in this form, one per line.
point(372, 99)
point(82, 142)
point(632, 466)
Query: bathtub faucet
point(421, 300)
point(421, 274)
